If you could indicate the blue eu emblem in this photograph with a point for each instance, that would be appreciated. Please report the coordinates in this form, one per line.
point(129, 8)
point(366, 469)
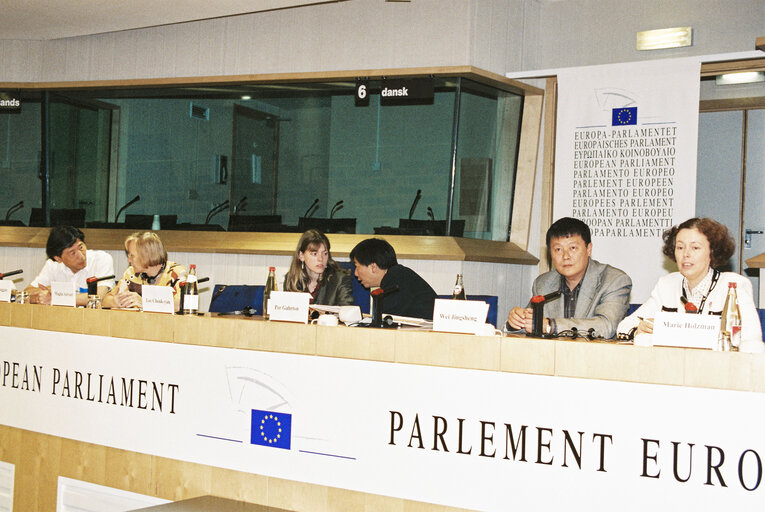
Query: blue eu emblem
point(623, 116)
point(271, 428)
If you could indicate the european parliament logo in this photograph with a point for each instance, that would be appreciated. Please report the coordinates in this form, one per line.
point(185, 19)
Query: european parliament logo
point(271, 428)
point(623, 116)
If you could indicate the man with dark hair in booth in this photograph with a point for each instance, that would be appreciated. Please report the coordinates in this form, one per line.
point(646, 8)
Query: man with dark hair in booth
point(377, 266)
point(69, 260)
point(593, 295)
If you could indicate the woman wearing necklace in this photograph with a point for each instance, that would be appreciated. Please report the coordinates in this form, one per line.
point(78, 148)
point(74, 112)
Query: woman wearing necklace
point(699, 246)
point(148, 265)
point(314, 271)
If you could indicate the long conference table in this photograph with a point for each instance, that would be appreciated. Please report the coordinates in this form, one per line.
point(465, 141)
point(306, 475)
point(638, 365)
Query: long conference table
point(308, 417)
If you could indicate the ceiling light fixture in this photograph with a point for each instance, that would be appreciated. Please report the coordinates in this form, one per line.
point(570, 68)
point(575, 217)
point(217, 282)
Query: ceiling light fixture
point(665, 38)
point(745, 77)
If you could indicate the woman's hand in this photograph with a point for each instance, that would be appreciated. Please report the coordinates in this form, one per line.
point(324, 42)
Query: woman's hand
point(128, 300)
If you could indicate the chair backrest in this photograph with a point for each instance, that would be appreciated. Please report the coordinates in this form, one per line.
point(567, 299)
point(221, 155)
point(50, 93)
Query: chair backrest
point(347, 226)
point(491, 300)
point(361, 296)
point(253, 222)
point(229, 298)
point(59, 217)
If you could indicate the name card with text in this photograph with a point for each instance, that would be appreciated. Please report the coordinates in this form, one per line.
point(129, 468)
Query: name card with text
point(464, 316)
point(289, 306)
point(686, 330)
point(157, 299)
point(5, 290)
point(63, 294)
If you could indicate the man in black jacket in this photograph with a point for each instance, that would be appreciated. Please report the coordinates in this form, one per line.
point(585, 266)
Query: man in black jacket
point(376, 266)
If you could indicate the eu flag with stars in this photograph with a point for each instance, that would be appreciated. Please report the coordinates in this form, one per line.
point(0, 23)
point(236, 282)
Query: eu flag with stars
point(271, 428)
point(623, 116)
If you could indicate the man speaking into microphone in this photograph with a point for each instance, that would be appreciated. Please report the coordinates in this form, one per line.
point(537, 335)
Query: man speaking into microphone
point(592, 295)
point(377, 266)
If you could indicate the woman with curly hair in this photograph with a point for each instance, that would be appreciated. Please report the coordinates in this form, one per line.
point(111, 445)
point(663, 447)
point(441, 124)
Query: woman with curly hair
point(314, 271)
point(699, 246)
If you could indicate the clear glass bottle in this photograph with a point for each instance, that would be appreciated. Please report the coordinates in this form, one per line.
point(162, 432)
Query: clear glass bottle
point(458, 293)
point(270, 286)
point(730, 322)
point(191, 293)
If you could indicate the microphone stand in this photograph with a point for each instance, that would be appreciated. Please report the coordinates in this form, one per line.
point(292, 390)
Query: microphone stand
point(129, 203)
point(414, 203)
point(241, 205)
point(311, 209)
point(216, 210)
point(11, 273)
point(377, 306)
point(537, 312)
point(338, 206)
point(13, 209)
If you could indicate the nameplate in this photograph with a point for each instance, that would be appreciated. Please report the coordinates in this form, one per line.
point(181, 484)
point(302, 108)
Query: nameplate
point(463, 316)
point(5, 290)
point(63, 294)
point(289, 306)
point(157, 299)
point(684, 330)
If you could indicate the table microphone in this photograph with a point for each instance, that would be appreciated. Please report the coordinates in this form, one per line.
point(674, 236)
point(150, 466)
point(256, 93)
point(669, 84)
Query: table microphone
point(414, 203)
point(93, 283)
point(11, 273)
point(537, 311)
point(13, 209)
point(310, 208)
point(377, 304)
point(132, 201)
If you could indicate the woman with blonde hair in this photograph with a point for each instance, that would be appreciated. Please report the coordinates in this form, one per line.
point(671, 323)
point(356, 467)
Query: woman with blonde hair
point(147, 258)
point(314, 271)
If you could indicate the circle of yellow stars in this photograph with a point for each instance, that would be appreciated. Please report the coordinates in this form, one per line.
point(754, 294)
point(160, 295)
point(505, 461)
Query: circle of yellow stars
point(626, 112)
point(270, 440)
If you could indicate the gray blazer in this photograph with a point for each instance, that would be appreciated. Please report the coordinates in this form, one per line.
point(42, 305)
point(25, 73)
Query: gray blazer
point(603, 299)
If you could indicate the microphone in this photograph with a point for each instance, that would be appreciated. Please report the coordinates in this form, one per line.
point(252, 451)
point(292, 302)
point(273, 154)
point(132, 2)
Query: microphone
point(13, 209)
point(241, 205)
point(338, 206)
point(203, 280)
point(216, 210)
point(414, 203)
point(377, 305)
point(379, 292)
point(129, 203)
point(310, 208)
point(93, 283)
point(11, 273)
point(430, 214)
point(537, 311)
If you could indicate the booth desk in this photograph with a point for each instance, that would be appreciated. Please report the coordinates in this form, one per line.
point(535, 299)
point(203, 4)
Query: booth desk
point(39, 459)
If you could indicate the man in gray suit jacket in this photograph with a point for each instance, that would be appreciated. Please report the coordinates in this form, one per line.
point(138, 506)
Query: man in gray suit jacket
point(593, 295)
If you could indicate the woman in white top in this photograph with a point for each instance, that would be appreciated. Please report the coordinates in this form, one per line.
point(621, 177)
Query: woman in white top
point(699, 246)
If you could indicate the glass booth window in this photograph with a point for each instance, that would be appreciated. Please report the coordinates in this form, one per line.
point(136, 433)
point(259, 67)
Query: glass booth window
point(270, 157)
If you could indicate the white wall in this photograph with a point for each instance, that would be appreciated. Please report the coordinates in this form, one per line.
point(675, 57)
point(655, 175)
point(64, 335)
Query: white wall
point(586, 32)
